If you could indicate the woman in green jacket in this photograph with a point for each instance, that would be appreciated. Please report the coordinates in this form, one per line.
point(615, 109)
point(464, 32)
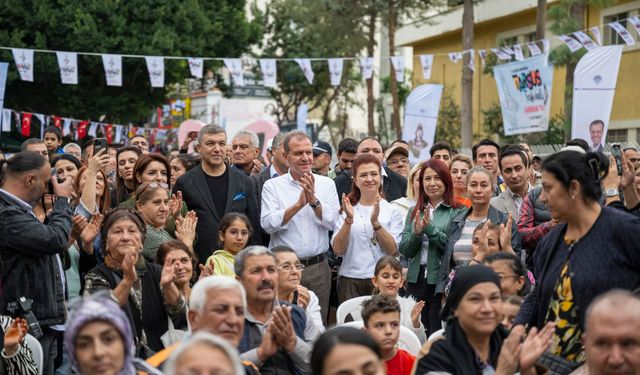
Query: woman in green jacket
point(424, 238)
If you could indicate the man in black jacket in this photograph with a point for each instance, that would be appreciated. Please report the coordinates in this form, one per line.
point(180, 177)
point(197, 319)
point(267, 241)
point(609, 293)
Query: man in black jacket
point(213, 189)
point(31, 268)
point(394, 185)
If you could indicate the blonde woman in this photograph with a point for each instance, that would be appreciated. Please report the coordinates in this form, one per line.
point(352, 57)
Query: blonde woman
point(413, 184)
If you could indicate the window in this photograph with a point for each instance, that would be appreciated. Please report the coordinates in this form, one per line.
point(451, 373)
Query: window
point(610, 35)
point(617, 135)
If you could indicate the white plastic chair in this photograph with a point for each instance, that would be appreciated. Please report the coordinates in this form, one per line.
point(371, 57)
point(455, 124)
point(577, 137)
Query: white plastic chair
point(351, 306)
point(407, 340)
point(437, 334)
point(36, 349)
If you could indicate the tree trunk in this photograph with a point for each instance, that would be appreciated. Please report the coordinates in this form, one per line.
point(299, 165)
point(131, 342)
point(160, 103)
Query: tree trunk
point(578, 12)
point(541, 19)
point(395, 115)
point(370, 51)
point(466, 108)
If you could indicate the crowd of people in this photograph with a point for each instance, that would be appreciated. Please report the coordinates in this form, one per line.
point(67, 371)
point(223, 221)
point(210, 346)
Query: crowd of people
point(120, 260)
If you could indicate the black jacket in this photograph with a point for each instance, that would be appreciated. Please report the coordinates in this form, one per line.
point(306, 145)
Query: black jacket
point(241, 197)
point(259, 180)
point(28, 250)
point(394, 185)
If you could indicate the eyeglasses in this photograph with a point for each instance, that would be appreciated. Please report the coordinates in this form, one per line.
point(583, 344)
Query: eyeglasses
point(152, 185)
point(289, 267)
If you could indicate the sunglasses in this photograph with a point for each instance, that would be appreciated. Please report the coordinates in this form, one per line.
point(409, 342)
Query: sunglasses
point(153, 185)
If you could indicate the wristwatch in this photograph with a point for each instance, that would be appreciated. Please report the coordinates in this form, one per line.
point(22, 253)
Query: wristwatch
point(315, 204)
point(612, 193)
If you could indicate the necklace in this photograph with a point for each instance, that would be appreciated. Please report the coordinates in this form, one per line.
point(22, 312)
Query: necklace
point(373, 241)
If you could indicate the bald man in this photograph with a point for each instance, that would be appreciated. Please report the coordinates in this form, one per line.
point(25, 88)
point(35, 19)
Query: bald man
point(612, 335)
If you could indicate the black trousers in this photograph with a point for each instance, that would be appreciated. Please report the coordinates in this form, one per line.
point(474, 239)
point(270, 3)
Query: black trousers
point(422, 291)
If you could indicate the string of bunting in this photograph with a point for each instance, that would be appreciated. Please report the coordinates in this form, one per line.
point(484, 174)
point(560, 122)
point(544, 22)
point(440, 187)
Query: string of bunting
point(23, 123)
point(68, 61)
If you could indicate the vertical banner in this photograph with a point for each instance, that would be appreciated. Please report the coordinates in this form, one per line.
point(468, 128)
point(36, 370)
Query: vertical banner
point(93, 129)
point(43, 124)
point(366, 66)
point(118, 134)
point(196, 67)
point(68, 64)
point(235, 69)
point(594, 86)
point(66, 126)
point(155, 66)
point(112, 69)
point(398, 67)
point(108, 134)
point(24, 63)
point(426, 61)
point(472, 64)
point(335, 71)
point(6, 120)
point(269, 72)
point(420, 118)
point(301, 117)
point(82, 129)
point(524, 88)
point(305, 66)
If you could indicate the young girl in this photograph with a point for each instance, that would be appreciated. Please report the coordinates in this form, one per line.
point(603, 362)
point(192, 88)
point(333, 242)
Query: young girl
point(388, 280)
point(515, 280)
point(510, 308)
point(235, 230)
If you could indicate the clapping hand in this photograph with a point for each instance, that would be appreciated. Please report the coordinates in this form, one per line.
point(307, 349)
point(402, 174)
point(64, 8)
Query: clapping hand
point(14, 335)
point(535, 345)
point(307, 181)
point(168, 274)
point(186, 229)
point(419, 223)
point(206, 270)
point(283, 328)
point(480, 251)
point(415, 313)
point(303, 297)
point(347, 208)
point(175, 204)
point(78, 225)
point(505, 235)
point(375, 212)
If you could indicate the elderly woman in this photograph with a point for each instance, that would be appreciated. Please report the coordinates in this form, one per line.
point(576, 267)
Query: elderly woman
point(368, 229)
point(204, 353)
point(98, 339)
point(592, 251)
point(145, 291)
point(474, 340)
point(152, 202)
point(425, 236)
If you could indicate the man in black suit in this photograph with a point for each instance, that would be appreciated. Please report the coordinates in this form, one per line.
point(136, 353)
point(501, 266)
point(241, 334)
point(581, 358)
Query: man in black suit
point(212, 189)
point(394, 185)
point(278, 167)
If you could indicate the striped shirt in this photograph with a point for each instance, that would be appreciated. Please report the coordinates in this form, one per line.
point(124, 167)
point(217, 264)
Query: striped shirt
point(462, 248)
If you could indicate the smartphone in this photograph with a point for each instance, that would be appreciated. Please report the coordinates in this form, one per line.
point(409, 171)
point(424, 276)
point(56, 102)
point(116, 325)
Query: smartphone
point(616, 150)
point(99, 144)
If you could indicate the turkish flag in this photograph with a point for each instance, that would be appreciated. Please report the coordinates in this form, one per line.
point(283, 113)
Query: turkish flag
point(107, 133)
point(57, 122)
point(82, 129)
point(25, 128)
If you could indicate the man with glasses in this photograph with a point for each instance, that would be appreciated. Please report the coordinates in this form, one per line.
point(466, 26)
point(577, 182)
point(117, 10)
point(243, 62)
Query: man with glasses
point(397, 159)
point(289, 288)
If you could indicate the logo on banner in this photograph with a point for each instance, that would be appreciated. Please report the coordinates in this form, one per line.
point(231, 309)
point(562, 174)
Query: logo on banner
point(155, 66)
point(524, 88)
point(24, 63)
point(366, 66)
point(112, 69)
point(68, 63)
point(335, 70)
point(196, 67)
point(269, 73)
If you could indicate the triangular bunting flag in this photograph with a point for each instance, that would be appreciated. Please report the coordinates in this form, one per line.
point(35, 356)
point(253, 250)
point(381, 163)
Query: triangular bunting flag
point(335, 70)
point(236, 70)
point(426, 61)
point(196, 67)
point(68, 64)
point(24, 63)
point(112, 69)
point(155, 66)
point(397, 62)
point(623, 32)
point(269, 72)
point(305, 66)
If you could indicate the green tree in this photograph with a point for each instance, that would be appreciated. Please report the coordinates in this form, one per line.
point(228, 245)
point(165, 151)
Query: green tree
point(315, 29)
point(448, 127)
point(141, 27)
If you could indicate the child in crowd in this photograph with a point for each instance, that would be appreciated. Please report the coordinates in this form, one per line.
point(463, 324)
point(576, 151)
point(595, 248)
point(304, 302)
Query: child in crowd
point(515, 280)
point(235, 230)
point(387, 280)
point(381, 317)
point(53, 140)
point(510, 308)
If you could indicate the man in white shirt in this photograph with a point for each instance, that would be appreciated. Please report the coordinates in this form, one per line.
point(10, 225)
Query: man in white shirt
point(298, 210)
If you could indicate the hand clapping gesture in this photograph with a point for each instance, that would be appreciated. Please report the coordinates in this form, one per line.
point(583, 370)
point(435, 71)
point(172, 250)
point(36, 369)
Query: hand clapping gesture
point(175, 205)
point(505, 235)
point(14, 336)
point(186, 229)
point(375, 212)
point(347, 208)
point(419, 223)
